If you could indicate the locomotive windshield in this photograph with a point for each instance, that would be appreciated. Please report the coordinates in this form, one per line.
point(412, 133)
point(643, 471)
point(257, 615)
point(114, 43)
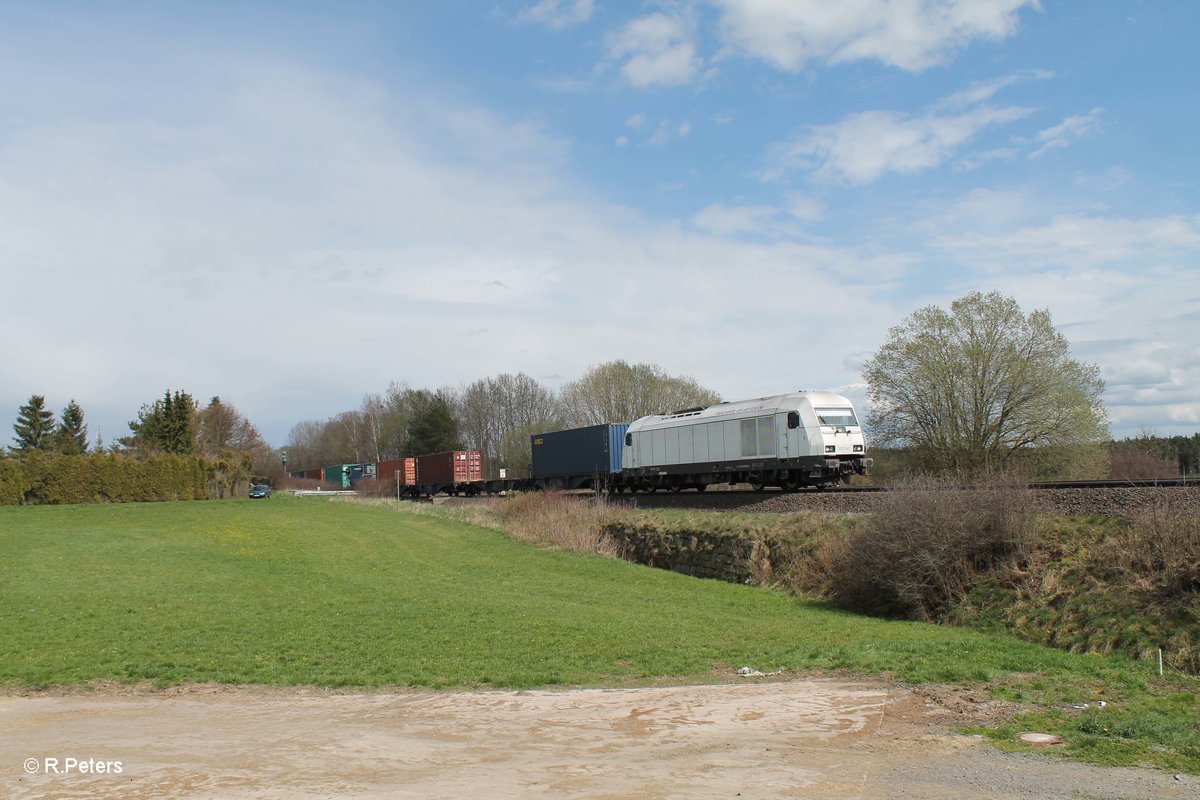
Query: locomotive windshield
point(836, 416)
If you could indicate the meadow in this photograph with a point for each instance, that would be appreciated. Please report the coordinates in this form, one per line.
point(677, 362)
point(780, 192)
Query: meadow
point(299, 591)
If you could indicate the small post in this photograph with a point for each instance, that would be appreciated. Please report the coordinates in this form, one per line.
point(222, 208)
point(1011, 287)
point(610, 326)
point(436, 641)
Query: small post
point(1160, 672)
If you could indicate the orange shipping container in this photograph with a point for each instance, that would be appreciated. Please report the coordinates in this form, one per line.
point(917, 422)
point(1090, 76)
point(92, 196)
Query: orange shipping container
point(385, 471)
point(458, 466)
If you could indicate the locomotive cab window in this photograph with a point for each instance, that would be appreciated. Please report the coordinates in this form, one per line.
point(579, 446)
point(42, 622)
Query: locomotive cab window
point(629, 440)
point(836, 416)
point(793, 420)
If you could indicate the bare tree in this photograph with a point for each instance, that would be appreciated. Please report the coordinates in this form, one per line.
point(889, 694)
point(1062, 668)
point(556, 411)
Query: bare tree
point(373, 412)
point(222, 427)
point(490, 410)
point(621, 392)
point(307, 445)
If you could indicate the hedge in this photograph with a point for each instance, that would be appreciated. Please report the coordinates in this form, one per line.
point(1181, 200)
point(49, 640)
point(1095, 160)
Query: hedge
point(35, 478)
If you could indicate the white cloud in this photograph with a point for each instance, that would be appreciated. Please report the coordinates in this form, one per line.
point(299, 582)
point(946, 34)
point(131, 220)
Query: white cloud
point(912, 35)
point(864, 147)
point(721, 220)
point(1079, 241)
point(656, 50)
point(1067, 131)
point(982, 91)
point(759, 220)
point(805, 208)
point(621, 141)
point(558, 14)
point(668, 131)
point(637, 121)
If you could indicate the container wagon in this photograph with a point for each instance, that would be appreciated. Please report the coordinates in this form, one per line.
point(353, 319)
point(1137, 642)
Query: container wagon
point(455, 472)
point(403, 469)
point(578, 458)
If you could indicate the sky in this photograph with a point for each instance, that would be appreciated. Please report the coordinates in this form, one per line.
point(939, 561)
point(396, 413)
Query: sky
point(291, 204)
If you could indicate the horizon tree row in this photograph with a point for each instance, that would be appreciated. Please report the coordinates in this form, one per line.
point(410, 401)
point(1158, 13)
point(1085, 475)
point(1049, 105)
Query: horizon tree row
point(495, 415)
point(172, 424)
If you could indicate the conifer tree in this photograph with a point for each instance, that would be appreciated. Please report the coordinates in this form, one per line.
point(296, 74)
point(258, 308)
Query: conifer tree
point(34, 427)
point(72, 433)
point(168, 425)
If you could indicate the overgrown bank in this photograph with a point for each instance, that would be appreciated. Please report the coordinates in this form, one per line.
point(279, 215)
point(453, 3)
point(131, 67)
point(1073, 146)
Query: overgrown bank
point(983, 559)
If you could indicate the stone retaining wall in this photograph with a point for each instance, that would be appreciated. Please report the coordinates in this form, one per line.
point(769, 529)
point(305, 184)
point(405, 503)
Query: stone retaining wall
point(695, 553)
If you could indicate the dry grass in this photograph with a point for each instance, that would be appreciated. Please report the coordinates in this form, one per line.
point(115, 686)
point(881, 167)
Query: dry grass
point(1163, 549)
point(548, 519)
point(558, 521)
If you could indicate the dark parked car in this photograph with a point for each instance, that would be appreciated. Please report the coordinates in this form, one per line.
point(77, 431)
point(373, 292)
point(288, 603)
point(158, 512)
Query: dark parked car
point(260, 490)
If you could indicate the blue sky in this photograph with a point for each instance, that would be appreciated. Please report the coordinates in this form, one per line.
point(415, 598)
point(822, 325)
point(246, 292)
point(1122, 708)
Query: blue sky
point(292, 204)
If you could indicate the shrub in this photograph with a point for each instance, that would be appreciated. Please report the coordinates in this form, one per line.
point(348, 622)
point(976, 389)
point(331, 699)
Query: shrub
point(36, 478)
point(370, 487)
point(920, 551)
point(1130, 464)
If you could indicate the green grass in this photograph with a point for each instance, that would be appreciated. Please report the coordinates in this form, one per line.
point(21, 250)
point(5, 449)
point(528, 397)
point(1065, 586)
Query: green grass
point(306, 591)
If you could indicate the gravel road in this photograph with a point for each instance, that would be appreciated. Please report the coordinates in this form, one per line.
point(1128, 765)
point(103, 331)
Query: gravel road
point(798, 739)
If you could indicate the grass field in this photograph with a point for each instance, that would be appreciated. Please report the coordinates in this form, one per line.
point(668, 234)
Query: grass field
point(305, 591)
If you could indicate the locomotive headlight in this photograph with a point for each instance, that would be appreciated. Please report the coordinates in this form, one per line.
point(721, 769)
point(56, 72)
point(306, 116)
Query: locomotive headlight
point(829, 448)
point(858, 448)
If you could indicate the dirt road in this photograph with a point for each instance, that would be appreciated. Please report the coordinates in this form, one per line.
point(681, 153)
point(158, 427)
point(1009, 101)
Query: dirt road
point(810, 739)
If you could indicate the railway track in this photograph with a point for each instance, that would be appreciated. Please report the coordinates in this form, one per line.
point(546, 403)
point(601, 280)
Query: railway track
point(1057, 497)
point(1193, 483)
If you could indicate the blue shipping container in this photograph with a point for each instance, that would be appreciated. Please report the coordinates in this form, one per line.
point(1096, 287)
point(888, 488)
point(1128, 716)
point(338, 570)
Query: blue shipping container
point(578, 452)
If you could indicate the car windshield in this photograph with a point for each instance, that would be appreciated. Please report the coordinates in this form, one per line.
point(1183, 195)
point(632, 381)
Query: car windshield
point(836, 416)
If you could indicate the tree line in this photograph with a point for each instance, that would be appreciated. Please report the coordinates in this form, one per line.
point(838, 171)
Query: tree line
point(173, 424)
point(495, 415)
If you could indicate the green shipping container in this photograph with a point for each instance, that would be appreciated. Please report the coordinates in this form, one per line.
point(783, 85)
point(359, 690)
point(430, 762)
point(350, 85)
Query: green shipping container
point(338, 475)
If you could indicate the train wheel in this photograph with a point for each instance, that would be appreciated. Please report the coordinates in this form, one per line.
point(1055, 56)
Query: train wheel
point(758, 486)
point(700, 487)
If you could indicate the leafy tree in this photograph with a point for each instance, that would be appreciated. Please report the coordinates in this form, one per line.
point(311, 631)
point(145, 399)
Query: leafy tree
point(167, 425)
point(71, 437)
point(621, 392)
point(982, 386)
point(34, 427)
point(432, 427)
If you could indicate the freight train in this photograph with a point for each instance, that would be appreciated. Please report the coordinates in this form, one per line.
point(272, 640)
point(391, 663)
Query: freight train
point(791, 441)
